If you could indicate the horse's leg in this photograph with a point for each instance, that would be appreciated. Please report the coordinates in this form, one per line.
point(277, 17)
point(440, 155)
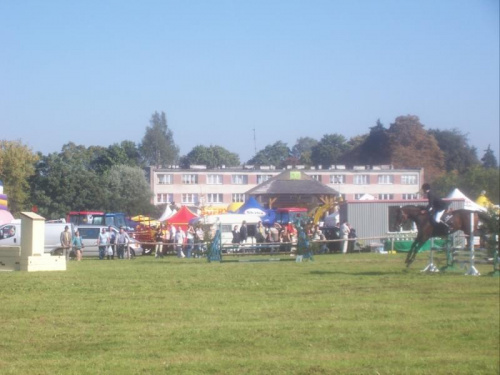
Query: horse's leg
point(412, 253)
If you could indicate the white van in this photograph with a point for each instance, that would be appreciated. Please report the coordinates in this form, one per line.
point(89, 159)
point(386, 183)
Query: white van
point(227, 223)
point(10, 235)
point(90, 234)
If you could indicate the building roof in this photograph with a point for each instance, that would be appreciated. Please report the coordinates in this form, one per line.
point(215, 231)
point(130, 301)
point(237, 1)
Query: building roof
point(292, 182)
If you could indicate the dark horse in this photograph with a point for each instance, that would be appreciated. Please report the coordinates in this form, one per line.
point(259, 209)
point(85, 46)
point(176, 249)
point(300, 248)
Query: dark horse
point(460, 220)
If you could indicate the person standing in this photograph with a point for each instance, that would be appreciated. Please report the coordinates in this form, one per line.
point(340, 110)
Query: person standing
point(159, 243)
point(344, 231)
point(122, 240)
point(243, 232)
point(199, 238)
point(103, 242)
point(190, 240)
point(111, 244)
point(260, 234)
point(66, 240)
point(236, 235)
point(78, 245)
point(179, 242)
point(317, 235)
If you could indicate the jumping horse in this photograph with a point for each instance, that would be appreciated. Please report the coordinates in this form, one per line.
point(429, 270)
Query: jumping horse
point(459, 220)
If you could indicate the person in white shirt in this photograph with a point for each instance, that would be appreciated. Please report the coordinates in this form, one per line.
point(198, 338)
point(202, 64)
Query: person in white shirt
point(344, 232)
point(180, 236)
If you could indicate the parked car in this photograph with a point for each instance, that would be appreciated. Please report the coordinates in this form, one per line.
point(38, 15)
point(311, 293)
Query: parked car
point(90, 234)
point(10, 235)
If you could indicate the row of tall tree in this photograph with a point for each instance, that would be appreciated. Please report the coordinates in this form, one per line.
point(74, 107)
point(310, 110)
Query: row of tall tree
point(115, 178)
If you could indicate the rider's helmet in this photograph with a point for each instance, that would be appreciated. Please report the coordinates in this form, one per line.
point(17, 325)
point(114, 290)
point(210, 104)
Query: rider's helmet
point(426, 187)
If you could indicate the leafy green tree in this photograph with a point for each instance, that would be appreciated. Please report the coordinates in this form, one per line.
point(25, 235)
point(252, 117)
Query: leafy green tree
point(64, 183)
point(125, 153)
point(158, 147)
point(302, 150)
point(17, 165)
point(471, 183)
point(276, 154)
point(369, 149)
point(412, 147)
point(489, 160)
point(329, 150)
point(212, 157)
point(127, 190)
point(458, 154)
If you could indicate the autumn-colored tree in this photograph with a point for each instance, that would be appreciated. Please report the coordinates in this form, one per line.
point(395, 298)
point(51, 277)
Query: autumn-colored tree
point(17, 165)
point(413, 147)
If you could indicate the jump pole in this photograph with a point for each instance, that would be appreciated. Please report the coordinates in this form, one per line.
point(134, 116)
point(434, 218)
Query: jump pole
point(496, 269)
point(431, 267)
point(472, 268)
point(450, 260)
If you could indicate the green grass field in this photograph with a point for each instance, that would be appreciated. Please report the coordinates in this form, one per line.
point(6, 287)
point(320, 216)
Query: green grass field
point(352, 314)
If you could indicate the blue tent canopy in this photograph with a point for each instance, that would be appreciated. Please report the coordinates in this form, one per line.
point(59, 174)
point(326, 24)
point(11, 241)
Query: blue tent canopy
point(251, 206)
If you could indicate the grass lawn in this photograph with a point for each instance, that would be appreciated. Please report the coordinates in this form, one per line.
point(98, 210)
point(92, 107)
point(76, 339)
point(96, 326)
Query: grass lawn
point(351, 314)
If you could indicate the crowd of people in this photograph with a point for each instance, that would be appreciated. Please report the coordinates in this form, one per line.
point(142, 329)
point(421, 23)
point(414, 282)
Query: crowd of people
point(109, 243)
point(187, 243)
point(287, 235)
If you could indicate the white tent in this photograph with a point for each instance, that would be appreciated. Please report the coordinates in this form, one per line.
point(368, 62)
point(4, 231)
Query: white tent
point(468, 203)
point(168, 213)
point(367, 197)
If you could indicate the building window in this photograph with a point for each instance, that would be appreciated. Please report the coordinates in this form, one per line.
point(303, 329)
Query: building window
point(165, 179)
point(337, 179)
point(190, 199)
point(358, 196)
point(238, 197)
point(409, 179)
point(409, 197)
point(315, 177)
point(386, 197)
point(190, 179)
point(239, 179)
point(263, 178)
point(214, 198)
point(385, 179)
point(361, 179)
point(214, 179)
point(164, 198)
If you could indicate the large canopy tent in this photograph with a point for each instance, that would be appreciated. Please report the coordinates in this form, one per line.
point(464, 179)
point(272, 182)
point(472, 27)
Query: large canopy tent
point(181, 218)
point(234, 207)
point(292, 188)
point(169, 212)
point(469, 204)
point(252, 207)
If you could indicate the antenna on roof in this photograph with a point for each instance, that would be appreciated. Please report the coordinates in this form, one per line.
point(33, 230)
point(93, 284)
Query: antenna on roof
point(254, 142)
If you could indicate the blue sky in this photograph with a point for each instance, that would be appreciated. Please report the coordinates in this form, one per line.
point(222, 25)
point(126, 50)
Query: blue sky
point(93, 72)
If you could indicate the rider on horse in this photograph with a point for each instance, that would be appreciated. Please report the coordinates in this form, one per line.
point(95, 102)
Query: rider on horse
point(436, 207)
